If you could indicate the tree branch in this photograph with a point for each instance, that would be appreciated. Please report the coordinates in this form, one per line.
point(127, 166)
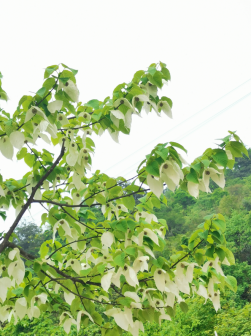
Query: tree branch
point(87, 206)
point(25, 254)
point(85, 126)
point(28, 203)
point(63, 274)
point(75, 241)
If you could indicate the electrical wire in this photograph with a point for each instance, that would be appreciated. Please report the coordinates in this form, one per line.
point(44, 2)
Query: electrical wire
point(183, 122)
point(198, 126)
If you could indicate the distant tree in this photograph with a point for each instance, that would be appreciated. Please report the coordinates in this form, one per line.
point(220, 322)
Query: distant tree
point(242, 167)
point(30, 236)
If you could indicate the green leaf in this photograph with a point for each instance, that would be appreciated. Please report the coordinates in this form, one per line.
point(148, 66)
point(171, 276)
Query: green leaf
point(163, 153)
point(94, 103)
point(44, 249)
point(64, 79)
point(101, 268)
point(49, 70)
point(229, 256)
point(131, 251)
point(192, 176)
point(129, 202)
point(203, 235)
point(3, 214)
point(49, 82)
point(26, 290)
point(217, 237)
point(72, 70)
point(220, 224)
point(67, 74)
point(120, 259)
point(221, 157)
point(184, 307)
point(36, 266)
point(238, 147)
point(125, 301)
point(148, 314)
point(122, 226)
point(157, 79)
point(75, 305)
point(153, 168)
point(100, 199)
point(206, 163)
point(170, 311)
point(85, 272)
point(113, 332)
point(18, 291)
point(166, 73)
point(136, 91)
point(220, 253)
point(231, 283)
point(175, 144)
point(138, 75)
point(197, 167)
point(3, 95)
point(41, 91)
point(29, 159)
point(131, 224)
point(115, 191)
point(97, 318)
point(210, 252)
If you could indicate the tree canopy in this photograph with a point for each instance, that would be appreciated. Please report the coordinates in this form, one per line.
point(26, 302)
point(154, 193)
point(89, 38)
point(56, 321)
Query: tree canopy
point(104, 268)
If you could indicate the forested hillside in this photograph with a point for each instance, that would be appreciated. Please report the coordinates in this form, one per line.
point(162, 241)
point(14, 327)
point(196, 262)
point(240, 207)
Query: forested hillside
point(183, 214)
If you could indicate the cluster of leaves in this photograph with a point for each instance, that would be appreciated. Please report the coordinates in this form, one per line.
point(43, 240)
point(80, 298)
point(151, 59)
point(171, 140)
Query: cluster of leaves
point(3, 94)
point(108, 261)
point(200, 319)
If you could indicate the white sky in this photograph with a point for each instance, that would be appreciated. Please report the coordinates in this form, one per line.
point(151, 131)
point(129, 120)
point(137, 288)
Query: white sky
point(205, 44)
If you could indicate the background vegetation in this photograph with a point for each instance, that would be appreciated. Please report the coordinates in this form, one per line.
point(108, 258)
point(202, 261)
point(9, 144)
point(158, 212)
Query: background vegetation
point(182, 213)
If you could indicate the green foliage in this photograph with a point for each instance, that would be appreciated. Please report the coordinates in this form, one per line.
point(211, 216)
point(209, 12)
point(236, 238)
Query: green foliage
point(108, 259)
point(201, 319)
point(30, 237)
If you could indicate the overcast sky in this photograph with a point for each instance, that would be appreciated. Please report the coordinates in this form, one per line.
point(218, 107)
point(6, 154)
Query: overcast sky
point(205, 44)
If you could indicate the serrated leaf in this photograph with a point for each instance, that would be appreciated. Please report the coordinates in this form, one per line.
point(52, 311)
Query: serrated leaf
point(192, 176)
point(3, 214)
point(203, 235)
point(122, 226)
point(125, 301)
point(120, 259)
point(18, 291)
point(153, 168)
point(41, 92)
point(231, 282)
point(184, 307)
point(129, 202)
point(175, 144)
point(131, 251)
point(49, 70)
point(210, 252)
point(85, 272)
point(72, 70)
point(94, 103)
point(229, 256)
point(221, 158)
point(36, 267)
point(221, 253)
point(220, 224)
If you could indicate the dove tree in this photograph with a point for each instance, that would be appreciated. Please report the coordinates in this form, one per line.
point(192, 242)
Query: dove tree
point(106, 272)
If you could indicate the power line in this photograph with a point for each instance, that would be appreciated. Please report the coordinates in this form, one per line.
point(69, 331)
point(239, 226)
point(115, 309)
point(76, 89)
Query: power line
point(184, 121)
point(215, 115)
point(201, 124)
